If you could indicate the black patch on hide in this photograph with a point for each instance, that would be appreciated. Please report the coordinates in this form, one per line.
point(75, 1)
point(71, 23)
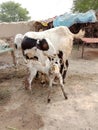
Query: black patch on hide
point(28, 43)
point(43, 45)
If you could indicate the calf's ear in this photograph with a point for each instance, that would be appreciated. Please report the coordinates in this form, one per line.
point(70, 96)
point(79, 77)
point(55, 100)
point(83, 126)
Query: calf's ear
point(43, 45)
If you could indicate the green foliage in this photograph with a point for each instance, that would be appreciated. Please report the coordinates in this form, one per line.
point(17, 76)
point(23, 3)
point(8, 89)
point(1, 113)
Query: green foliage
point(13, 12)
point(84, 5)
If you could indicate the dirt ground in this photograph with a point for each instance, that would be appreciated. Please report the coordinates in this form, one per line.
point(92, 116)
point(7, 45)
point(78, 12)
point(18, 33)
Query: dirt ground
point(20, 110)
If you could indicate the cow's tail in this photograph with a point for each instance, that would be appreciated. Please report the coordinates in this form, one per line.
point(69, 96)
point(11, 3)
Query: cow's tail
point(80, 34)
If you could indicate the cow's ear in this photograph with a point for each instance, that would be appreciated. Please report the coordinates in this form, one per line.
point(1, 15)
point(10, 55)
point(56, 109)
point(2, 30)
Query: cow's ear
point(43, 45)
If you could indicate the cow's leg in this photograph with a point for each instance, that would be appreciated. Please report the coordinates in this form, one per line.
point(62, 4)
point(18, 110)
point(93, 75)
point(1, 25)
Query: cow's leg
point(65, 68)
point(63, 65)
point(17, 55)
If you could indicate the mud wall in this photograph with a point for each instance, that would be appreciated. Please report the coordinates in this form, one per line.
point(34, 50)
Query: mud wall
point(11, 29)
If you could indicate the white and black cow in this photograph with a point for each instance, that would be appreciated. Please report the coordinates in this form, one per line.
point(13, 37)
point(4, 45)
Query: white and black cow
point(61, 38)
point(57, 40)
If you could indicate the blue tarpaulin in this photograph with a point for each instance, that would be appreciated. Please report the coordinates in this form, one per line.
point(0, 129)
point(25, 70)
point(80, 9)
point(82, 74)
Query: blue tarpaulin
point(68, 19)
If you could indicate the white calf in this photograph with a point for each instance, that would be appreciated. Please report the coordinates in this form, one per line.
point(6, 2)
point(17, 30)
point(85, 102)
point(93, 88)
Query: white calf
point(51, 69)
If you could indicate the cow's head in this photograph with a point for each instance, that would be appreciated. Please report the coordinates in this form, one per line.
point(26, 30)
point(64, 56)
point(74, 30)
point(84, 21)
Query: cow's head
point(42, 45)
point(46, 46)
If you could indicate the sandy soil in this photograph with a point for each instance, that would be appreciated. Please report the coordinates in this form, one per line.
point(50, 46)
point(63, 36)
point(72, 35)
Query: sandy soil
point(20, 110)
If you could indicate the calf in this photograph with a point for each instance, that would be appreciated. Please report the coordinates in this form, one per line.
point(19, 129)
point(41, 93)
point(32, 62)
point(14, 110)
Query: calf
point(54, 72)
point(51, 69)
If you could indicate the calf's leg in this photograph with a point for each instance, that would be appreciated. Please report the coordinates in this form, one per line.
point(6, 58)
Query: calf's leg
point(50, 87)
point(62, 86)
point(29, 79)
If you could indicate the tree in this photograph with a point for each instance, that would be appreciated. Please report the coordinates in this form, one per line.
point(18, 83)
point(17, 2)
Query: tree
point(13, 12)
point(84, 5)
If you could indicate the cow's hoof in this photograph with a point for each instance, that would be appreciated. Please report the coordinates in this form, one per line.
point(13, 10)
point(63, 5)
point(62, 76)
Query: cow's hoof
point(48, 100)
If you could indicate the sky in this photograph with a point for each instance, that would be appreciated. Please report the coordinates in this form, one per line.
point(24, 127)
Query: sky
point(44, 9)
